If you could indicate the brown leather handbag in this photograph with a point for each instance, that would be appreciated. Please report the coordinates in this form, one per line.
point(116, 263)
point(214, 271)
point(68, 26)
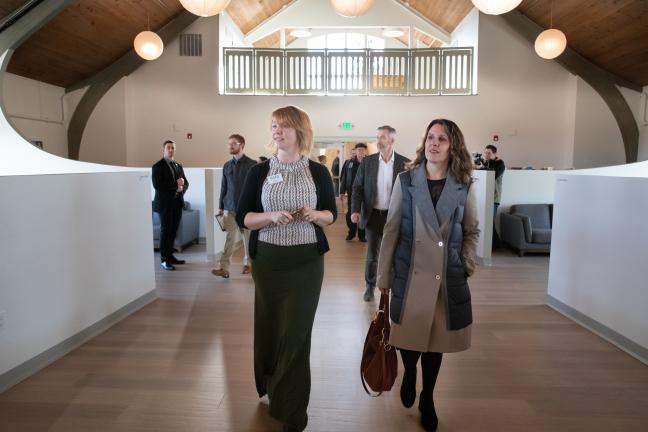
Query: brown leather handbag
point(379, 365)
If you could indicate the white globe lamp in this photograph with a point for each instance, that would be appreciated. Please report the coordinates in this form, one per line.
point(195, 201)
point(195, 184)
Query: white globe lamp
point(496, 7)
point(205, 8)
point(148, 45)
point(351, 8)
point(550, 43)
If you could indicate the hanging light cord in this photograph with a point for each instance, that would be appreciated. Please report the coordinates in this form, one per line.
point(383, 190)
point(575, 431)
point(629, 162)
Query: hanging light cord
point(551, 14)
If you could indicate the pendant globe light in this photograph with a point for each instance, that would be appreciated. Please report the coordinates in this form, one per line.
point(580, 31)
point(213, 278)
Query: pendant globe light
point(205, 8)
point(550, 43)
point(148, 45)
point(352, 8)
point(496, 7)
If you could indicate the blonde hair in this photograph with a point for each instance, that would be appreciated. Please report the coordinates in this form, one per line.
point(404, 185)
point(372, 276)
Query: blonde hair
point(460, 163)
point(295, 118)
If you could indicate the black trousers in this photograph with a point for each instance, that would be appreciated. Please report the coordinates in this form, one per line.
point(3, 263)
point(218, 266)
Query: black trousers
point(353, 228)
point(374, 232)
point(170, 215)
point(496, 239)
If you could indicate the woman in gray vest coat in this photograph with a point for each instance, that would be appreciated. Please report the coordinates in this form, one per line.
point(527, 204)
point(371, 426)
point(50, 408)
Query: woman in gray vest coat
point(426, 256)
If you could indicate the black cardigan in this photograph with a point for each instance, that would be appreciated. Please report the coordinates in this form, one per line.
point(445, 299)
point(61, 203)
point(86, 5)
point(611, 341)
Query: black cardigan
point(250, 200)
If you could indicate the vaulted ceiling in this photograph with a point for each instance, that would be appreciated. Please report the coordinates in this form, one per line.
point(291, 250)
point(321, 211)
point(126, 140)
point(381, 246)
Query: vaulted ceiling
point(92, 34)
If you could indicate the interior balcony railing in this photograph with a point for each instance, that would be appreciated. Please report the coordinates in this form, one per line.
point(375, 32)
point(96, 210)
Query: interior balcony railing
point(400, 72)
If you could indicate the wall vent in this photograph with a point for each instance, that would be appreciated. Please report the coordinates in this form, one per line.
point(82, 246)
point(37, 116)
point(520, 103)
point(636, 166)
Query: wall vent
point(190, 45)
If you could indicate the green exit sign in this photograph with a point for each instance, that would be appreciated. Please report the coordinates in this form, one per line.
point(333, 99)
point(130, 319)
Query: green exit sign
point(346, 125)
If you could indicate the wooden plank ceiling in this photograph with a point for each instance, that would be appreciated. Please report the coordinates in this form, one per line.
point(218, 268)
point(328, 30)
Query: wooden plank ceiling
point(612, 34)
point(86, 37)
point(91, 34)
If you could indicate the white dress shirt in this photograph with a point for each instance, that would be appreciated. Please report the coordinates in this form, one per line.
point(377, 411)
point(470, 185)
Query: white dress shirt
point(384, 187)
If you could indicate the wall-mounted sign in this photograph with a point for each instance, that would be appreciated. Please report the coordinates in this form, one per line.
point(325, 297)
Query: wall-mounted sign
point(346, 125)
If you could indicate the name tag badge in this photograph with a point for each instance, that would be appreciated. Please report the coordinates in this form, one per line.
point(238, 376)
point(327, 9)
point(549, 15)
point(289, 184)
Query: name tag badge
point(273, 179)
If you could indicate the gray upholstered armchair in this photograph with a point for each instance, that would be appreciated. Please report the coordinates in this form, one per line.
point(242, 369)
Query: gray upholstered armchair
point(527, 227)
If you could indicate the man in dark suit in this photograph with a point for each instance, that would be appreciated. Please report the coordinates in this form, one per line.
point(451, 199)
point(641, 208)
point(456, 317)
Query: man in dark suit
point(370, 200)
point(234, 172)
point(335, 172)
point(349, 172)
point(170, 186)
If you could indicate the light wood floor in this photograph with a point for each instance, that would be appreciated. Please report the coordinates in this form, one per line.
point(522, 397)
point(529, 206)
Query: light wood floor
point(184, 363)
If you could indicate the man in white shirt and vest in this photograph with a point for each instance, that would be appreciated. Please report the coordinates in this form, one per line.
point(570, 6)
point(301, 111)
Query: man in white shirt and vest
point(370, 199)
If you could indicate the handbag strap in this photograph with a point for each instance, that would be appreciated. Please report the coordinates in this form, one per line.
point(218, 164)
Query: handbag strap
point(384, 306)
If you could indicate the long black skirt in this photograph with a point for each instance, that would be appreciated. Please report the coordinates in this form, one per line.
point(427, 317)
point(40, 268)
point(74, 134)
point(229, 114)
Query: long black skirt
point(288, 281)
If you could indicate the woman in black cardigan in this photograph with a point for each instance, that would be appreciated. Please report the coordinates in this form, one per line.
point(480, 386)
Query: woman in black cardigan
point(285, 203)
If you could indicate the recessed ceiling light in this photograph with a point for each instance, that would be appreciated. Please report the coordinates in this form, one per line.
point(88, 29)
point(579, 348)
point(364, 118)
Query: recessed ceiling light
point(300, 33)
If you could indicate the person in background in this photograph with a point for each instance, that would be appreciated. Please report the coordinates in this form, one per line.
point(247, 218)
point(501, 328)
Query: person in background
point(428, 251)
point(170, 185)
point(349, 172)
point(234, 172)
point(322, 159)
point(335, 172)
point(492, 162)
point(372, 189)
point(286, 202)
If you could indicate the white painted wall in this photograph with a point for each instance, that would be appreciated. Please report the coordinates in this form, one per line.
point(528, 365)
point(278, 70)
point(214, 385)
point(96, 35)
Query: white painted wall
point(104, 140)
point(528, 187)
point(36, 110)
point(466, 34)
point(597, 138)
point(76, 243)
point(484, 186)
point(230, 35)
point(76, 248)
point(527, 101)
point(598, 251)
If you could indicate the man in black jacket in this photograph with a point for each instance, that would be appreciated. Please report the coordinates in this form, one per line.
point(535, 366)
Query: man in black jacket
point(492, 162)
point(234, 172)
point(370, 199)
point(349, 171)
point(170, 186)
point(335, 172)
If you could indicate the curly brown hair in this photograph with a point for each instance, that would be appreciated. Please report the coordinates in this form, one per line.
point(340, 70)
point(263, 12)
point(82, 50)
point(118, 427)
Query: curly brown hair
point(460, 163)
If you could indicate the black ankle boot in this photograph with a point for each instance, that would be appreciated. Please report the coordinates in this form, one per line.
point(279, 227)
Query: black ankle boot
point(408, 388)
point(429, 419)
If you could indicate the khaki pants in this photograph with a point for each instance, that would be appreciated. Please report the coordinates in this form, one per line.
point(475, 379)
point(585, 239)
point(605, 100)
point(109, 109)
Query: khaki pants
point(232, 237)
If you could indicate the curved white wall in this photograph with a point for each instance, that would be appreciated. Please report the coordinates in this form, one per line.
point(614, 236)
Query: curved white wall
point(599, 253)
point(76, 247)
